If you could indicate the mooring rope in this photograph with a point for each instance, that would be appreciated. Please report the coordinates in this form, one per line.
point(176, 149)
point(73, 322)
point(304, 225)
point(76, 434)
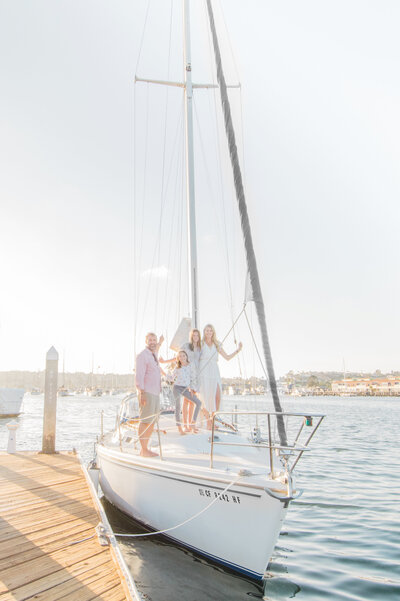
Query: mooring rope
point(185, 521)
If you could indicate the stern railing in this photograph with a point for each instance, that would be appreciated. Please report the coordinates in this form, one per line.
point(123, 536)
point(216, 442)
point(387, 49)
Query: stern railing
point(285, 451)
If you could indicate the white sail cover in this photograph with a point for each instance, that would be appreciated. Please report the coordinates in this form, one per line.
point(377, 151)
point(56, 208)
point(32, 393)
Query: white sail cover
point(181, 335)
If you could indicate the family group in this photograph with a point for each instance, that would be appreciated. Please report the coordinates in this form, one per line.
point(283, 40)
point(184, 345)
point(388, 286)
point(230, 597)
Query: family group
point(195, 377)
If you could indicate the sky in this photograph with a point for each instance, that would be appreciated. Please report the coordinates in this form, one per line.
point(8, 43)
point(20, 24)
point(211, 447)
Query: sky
point(86, 263)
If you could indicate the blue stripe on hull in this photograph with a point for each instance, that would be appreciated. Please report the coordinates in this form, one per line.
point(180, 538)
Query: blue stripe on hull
point(215, 558)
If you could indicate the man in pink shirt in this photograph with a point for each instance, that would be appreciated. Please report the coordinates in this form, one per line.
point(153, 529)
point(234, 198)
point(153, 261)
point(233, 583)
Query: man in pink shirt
point(148, 385)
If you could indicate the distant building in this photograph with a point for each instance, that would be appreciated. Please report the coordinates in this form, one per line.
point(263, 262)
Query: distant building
point(384, 386)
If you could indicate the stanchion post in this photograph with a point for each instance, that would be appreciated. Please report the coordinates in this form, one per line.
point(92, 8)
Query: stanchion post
point(50, 402)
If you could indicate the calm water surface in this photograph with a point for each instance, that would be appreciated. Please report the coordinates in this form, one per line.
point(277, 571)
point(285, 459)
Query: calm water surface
point(341, 539)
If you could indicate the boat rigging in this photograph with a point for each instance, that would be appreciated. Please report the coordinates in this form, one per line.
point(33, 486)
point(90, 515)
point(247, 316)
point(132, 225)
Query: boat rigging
point(200, 484)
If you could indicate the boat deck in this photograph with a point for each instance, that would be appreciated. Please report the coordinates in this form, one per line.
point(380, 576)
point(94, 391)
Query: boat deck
point(48, 546)
point(193, 452)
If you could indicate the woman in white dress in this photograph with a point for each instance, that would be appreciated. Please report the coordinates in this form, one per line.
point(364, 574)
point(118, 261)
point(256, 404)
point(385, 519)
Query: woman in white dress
point(210, 385)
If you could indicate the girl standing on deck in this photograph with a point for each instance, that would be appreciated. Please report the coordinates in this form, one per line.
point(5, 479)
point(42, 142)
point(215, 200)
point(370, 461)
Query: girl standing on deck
point(185, 384)
point(210, 385)
point(193, 350)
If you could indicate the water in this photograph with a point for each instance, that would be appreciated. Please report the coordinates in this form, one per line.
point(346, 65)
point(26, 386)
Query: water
point(340, 539)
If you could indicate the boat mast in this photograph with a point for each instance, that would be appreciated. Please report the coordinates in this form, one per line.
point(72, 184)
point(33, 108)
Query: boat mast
point(190, 166)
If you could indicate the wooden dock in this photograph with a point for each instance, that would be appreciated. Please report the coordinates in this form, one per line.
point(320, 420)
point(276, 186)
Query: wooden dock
point(49, 548)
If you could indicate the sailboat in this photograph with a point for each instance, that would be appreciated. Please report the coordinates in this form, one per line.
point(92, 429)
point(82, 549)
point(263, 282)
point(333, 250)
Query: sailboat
point(11, 401)
point(222, 493)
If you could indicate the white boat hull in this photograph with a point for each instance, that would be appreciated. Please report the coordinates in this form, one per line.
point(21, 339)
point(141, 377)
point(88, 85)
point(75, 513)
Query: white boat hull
point(239, 530)
point(11, 401)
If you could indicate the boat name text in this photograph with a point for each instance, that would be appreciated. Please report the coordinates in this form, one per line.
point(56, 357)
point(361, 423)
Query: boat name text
point(205, 492)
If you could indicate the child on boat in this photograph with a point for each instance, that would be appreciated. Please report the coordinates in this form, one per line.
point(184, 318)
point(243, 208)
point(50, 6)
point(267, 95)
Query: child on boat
point(185, 384)
point(193, 351)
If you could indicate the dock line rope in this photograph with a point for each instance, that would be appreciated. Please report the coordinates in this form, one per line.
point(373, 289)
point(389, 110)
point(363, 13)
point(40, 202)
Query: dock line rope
point(188, 519)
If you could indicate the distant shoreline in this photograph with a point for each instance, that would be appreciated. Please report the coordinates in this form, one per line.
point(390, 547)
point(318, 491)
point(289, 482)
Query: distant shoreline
point(294, 384)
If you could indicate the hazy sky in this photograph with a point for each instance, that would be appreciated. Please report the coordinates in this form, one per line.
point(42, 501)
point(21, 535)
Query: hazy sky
point(321, 131)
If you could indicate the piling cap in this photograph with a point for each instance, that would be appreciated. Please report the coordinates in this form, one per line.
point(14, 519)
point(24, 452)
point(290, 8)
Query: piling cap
point(52, 354)
point(13, 425)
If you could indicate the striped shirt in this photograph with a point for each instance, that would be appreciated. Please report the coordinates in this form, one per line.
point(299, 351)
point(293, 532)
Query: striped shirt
point(148, 374)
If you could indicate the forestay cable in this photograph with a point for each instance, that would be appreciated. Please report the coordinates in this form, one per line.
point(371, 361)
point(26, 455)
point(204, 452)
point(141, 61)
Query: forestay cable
point(244, 218)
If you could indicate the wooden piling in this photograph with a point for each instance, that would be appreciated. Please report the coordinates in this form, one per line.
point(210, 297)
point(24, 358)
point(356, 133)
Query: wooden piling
point(50, 402)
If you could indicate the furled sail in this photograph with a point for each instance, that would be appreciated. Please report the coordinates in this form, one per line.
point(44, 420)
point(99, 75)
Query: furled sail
point(256, 294)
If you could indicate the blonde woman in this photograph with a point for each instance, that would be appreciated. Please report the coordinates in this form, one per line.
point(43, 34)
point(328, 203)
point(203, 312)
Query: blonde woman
point(210, 385)
point(193, 350)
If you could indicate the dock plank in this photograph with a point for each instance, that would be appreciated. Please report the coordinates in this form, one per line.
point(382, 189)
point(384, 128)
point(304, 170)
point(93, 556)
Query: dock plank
point(46, 512)
point(76, 572)
point(40, 520)
point(42, 586)
point(14, 576)
point(59, 501)
point(13, 556)
point(13, 537)
point(95, 581)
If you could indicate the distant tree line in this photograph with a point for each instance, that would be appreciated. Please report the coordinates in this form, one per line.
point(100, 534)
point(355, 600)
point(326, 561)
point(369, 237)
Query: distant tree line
point(30, 380)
